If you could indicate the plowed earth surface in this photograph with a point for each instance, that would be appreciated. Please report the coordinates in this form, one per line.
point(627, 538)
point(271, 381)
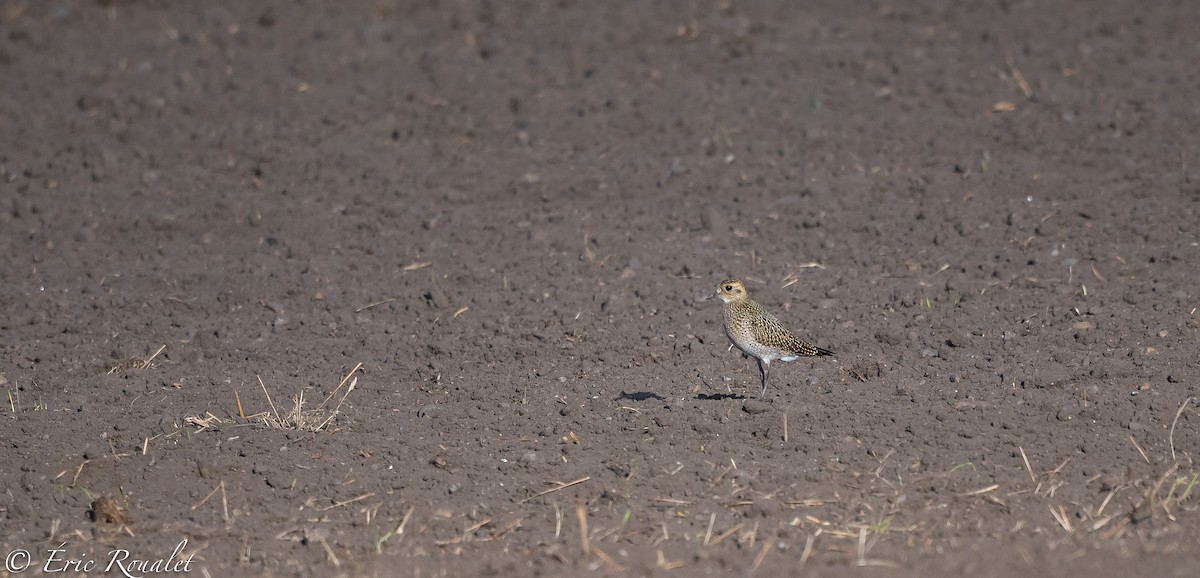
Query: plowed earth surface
point(495, 225)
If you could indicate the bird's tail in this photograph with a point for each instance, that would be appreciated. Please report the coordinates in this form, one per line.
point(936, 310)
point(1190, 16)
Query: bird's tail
point(823, 351)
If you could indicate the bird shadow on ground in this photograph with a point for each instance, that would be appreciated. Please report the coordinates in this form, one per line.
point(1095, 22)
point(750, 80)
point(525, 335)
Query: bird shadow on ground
point(640, 396)
point(719, 396)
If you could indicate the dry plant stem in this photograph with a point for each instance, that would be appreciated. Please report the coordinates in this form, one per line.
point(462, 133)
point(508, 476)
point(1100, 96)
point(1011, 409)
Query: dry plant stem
point(668, 564)
point(1020, 78)
point(561, 486)
point(1139, 449)
point(224, 499)
point(726, 534)
point(608, 559)
point(1158, 486)
point(268, 394)
point(1032, 476)
point(224, 502)
point(1060, 516)
point(78, 471)
point(375, 304)
point(581, 512)
point(404, 522)
point(477, 525)
point(808, 548)
point(1104, 504)
point(762, 554)
point(333, 414)
point(339, 386)
point(587, 250)
point(333, 559)
point(156, 354)
point(244, 554)
point(346, 502)
point(1174, 422)
point(982, 490)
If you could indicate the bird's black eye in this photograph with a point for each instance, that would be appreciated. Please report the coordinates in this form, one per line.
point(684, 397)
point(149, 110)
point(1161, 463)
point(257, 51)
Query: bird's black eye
point(729, 287)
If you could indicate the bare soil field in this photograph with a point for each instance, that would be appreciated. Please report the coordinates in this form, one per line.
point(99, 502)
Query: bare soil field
point(420, 288)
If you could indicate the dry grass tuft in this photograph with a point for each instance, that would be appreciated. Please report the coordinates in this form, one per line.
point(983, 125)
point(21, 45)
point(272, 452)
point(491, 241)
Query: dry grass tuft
point(204, 422)
point(106, 510)
point(311, 420)
point(136, 362)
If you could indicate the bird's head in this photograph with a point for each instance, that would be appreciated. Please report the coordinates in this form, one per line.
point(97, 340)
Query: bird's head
point(732, 290)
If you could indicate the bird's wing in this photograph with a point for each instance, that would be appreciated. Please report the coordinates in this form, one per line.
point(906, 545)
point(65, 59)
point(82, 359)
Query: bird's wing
point(768, 329)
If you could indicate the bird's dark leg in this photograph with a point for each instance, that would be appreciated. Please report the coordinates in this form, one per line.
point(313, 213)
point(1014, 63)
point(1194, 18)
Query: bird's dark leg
point(764, 367)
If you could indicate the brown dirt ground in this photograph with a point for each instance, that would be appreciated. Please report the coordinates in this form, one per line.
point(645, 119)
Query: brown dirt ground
point(509, 213)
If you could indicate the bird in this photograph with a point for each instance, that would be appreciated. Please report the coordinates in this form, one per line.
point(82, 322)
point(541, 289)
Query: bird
point(758, 333)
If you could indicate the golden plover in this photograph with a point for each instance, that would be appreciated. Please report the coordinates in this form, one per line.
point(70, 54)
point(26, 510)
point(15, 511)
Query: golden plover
point(758, 333)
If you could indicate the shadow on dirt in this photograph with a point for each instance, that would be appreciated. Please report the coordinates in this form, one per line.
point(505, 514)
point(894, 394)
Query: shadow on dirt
point(640, 396)
point(719, 396)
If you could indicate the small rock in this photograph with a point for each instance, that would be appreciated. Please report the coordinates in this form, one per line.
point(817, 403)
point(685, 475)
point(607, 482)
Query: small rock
point(428, 410)
point(929, 352)
point(1046, 229)
point(888, 338)
point(713, 220)
point(205, 469)
point(1054, 376)
point(755, 407)
point(314, 535)
point(437, 298)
